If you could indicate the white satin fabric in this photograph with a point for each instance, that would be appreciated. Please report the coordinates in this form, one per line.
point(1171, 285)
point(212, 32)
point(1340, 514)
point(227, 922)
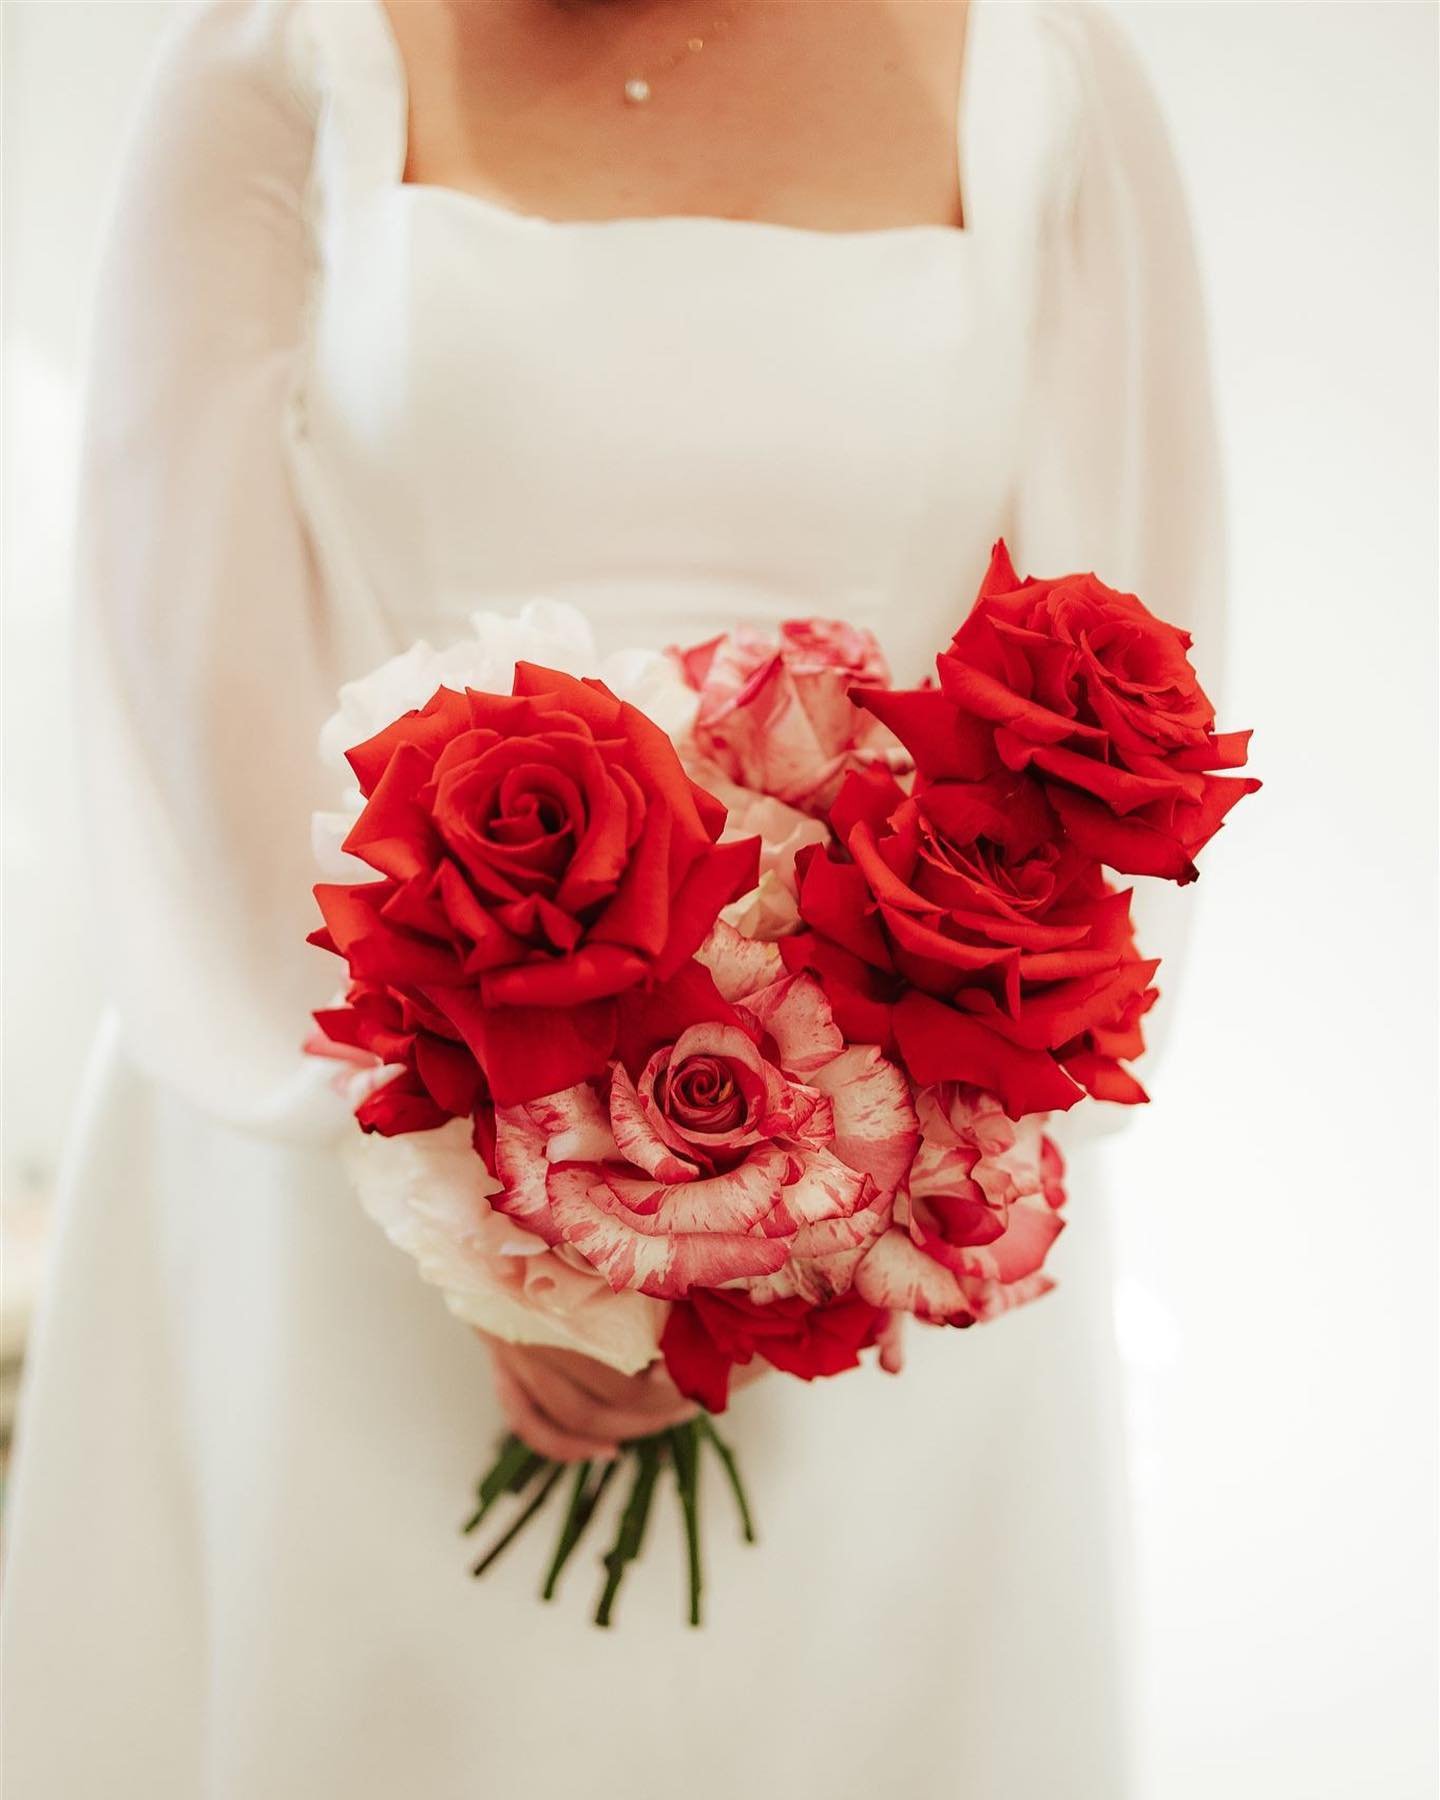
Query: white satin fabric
point(327, 414)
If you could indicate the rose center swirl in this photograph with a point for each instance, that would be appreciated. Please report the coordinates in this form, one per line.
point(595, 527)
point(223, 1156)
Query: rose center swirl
point(703, 1094)
point(1028, 884)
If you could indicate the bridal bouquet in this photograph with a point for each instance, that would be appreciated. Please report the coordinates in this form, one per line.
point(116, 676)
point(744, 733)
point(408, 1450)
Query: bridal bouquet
point(709, 1007)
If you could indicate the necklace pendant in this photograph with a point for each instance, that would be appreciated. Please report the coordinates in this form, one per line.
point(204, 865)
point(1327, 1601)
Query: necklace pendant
point(637, 91)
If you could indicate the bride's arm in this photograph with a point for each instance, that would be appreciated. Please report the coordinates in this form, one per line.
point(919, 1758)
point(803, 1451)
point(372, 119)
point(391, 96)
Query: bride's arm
point(201, 630)
point(1122, 471)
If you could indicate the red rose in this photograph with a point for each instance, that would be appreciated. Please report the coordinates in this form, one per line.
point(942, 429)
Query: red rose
point(706, 1335)
point(737, 1139)
point(1088, 690)
point(776, 714)
point(959, 929)
point(438, 1080)
point(543, 854)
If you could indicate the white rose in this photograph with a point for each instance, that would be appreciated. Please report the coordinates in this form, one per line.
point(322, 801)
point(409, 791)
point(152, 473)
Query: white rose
point(427, 1191)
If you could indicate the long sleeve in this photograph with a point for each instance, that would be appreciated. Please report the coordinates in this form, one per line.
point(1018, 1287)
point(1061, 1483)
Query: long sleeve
point(205, 663)
point(1122, 470)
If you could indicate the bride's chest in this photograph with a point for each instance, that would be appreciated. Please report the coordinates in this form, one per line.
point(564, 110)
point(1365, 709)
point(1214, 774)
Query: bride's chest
point(504, 406)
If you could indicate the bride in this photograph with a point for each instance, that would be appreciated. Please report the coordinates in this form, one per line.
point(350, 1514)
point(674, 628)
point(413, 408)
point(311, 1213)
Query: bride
point(686, 312)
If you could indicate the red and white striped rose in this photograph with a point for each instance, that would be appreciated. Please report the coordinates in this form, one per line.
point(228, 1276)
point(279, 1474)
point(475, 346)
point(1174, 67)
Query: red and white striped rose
point(750, 1148)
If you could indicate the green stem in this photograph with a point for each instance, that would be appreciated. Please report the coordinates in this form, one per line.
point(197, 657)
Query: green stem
point(685, 1453)
point(517, 1469)
point(706, 1428)
point(581, 1511)
point(570, 1530)
point(631, 1534)
point(510, 1473)
point(524, 1518)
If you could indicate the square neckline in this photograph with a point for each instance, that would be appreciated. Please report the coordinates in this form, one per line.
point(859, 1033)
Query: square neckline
point(396, 81)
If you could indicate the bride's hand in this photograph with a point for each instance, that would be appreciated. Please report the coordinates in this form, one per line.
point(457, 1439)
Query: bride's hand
point(573, 1409)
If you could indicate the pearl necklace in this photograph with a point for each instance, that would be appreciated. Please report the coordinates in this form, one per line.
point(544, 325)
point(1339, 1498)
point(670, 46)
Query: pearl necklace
point(638, 88)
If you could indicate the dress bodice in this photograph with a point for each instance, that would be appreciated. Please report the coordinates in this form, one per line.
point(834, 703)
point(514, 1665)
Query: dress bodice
point(675, 423)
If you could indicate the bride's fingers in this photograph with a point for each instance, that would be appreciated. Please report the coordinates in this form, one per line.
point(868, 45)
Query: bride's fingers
point(577, 1410)
point(585, 1401)
point(584, 1372)
point(651, 1392)
point(539, 1431)
point(744, 1375)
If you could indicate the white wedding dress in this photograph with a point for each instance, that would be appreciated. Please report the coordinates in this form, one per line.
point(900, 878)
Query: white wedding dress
point(330, 413)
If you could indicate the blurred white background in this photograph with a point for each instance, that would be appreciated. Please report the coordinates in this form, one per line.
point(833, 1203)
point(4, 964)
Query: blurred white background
point(1275, 1208)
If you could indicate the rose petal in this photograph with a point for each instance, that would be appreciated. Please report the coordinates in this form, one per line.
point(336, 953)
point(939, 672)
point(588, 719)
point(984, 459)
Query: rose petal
point(636, 1138)
point(876, 1130)
point(632, 1250)
point(794, 1012)
point(897, 1275)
